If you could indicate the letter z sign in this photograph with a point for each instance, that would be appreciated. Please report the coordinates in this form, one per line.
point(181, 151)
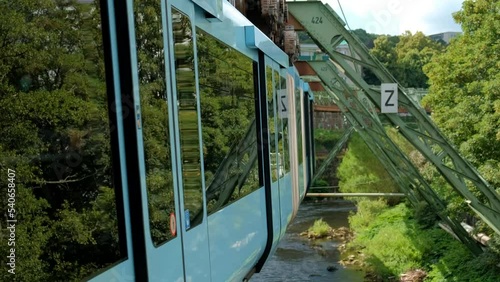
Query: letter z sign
point(389, 102)
point(282, 103)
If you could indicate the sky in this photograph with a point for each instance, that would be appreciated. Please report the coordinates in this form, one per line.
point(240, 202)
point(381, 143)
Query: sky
point(396, 16)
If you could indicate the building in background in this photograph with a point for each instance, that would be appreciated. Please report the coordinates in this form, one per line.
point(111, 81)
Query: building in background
point(444, 36)
point(271, 17)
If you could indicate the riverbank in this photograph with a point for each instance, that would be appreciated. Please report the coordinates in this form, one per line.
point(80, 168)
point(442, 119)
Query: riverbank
point(391, 245)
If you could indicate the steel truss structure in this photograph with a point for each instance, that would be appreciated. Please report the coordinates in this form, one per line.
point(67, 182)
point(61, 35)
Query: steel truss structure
point(361, 103)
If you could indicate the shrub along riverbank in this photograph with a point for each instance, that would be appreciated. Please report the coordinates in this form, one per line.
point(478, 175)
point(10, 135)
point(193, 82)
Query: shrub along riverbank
point(391, 241)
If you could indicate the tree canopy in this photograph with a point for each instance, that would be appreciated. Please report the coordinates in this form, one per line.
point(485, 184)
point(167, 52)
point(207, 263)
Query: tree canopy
point(465, 87)
point(365, 37)
point(361, 171)
point(54, 133)
point(404, 56)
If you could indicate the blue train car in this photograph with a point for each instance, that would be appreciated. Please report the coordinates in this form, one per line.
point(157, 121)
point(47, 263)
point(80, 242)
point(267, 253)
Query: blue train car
point(227, 223)
point(184, 158)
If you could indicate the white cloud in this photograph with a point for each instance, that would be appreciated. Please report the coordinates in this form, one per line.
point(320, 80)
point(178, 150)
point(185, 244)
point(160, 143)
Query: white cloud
point(396, 16)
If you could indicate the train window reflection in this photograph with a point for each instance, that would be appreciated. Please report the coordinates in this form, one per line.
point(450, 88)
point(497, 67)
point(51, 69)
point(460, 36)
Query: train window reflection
point(55, 143)
point(283, 142)
point(298, 110)
point(280, 163)
point(272, 123)
point(153, 94)
point(188, 118)
point(228, 120)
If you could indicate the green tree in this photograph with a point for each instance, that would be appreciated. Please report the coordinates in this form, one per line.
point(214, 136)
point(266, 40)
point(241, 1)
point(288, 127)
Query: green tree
point(361, 171)
point(465, 95)
point(365, 38)
point(52, 94)
point(465, 87)
point(413, 52)
point(384, 51)
point(404, 56)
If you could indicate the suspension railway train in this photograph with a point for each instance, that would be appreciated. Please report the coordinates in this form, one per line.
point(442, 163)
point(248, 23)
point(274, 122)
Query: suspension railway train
point(147, 140)
point(239, 154)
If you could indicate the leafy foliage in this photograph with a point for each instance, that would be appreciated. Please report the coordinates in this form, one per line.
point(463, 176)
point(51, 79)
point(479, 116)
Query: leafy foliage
point(465, 87)
point(361, 171)
point(405, 56)
point(393, 243)
point(413, 52)
point(365, 38)
point(384, 50)
point(52, 94)
point(367, 212)
point(325, 139)
point(319, 229)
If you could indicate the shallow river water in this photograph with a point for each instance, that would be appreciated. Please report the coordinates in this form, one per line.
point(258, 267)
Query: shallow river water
point(298, 259)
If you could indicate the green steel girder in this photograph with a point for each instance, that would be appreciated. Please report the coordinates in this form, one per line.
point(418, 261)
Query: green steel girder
point(333, 153)
point(365, 120)
point(406, 181)
point(374, 134)
point(392, 169)
point(409, 180)
point(427, 139)
point(360, 122)
point(401, 180)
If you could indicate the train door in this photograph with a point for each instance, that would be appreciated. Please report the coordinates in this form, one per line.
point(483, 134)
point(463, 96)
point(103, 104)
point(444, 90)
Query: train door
point(169, 147)
point(274, 121)
point(151, 65)
point(193, 225)
point(154, 112)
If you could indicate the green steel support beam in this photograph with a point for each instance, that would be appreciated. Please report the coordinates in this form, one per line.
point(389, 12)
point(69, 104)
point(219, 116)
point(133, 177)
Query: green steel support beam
point(407, 183)
point(394, 160)
point(392, 167)
point(328, 28)
point(334, 152)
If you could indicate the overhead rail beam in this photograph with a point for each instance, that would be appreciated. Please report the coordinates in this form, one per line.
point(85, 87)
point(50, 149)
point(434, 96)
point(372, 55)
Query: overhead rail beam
point(325, 27)
point(397, 165)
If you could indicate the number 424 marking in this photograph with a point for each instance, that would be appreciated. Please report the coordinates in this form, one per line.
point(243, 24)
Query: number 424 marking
point(317, 20)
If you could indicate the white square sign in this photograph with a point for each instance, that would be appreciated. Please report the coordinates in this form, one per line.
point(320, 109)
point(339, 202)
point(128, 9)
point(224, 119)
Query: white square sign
point(389, 102)
point(282, 103)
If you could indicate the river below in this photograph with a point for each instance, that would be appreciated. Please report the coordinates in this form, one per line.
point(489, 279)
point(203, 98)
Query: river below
point(300, 259)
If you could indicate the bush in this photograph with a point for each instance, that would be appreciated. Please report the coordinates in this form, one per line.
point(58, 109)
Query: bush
point(325, 139)
point(458, 264)
point(367, 212)
point(425, 215)
point(320, 183)
point(361, 171)
point(393, 242)
point(319, 229)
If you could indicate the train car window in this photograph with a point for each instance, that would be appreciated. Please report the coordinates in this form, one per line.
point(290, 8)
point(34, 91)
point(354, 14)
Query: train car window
point(279, 125)
point(298, 110)
point(228, 119)
point(272, 123)
point(153, 95)
point(60, 198)
point(285, 136)
point(188, 117)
